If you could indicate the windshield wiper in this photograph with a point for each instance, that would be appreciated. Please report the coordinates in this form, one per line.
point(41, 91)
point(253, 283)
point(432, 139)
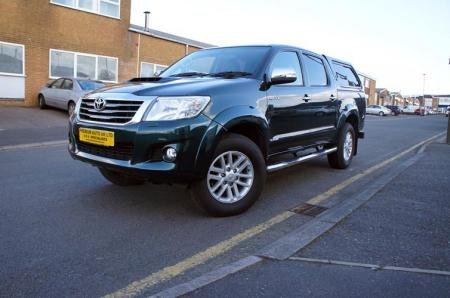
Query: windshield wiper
point(190, 74)
point(230, 74)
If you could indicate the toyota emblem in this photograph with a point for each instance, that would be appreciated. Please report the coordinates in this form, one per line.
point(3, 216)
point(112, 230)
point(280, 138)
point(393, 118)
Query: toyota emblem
point(99, 104)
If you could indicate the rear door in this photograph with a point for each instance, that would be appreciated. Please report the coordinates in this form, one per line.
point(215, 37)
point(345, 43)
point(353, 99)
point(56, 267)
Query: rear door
point(322, 104)
point(65, 94)
point(52, 93)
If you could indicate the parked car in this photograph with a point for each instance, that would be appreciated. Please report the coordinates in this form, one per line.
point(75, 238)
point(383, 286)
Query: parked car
point(395, 110)
point(447, 112)
point(421, 111)
point(378, 110)
point(410, 109)
point(64, 93)
point(219, 119)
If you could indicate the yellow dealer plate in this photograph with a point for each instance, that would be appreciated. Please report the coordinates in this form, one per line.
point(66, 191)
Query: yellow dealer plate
point(97, 137)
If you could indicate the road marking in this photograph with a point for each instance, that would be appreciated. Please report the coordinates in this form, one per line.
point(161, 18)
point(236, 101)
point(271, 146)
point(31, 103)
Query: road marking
point(33, 145)
point(199, 258)
point(208, 278)
point(171, 271)
point(371, 266)
point(2, 129)
point(335, 189)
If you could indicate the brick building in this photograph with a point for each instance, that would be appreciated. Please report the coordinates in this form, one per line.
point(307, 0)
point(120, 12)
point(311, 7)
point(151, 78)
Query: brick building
point(46, 39)
point(369, 84)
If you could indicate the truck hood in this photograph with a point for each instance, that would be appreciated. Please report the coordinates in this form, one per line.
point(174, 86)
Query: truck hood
point(176, 86)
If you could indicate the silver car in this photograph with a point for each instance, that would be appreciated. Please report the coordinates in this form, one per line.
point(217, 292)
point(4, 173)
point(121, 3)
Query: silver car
point(63, 93)
point(378, 110)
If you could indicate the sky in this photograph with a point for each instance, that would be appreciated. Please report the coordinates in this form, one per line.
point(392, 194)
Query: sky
point(394, 41)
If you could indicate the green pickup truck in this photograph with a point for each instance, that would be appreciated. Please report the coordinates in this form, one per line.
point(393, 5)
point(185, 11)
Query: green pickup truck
point(220, 119)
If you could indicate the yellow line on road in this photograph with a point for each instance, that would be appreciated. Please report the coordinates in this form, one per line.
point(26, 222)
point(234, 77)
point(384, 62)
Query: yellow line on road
point(197, 259)
point(171, 271)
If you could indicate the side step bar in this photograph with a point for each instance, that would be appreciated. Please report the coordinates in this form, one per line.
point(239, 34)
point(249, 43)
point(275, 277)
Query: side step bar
point(285, 164)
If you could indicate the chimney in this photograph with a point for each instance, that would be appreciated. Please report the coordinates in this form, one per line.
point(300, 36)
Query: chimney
point(147, 15)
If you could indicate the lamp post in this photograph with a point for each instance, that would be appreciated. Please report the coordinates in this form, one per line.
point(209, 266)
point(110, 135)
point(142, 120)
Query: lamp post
point(448, 125)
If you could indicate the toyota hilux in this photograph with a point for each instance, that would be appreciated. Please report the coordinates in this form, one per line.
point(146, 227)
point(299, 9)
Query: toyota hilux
point(220, 119)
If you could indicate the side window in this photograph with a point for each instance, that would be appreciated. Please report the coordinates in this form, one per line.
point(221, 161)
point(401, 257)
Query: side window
point(68, 84)
point(316, 70)
point(57, 84)
point(284, 63)
point(345, 75)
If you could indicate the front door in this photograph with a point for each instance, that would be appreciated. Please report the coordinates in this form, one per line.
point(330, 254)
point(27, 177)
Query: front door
point(286, 111)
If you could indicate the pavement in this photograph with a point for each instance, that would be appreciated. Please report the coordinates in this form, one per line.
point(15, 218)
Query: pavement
point(66, 231)
point(396, 245)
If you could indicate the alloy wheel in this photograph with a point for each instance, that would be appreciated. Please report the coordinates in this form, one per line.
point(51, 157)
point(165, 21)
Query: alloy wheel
point(348, 146)
point(230, 177)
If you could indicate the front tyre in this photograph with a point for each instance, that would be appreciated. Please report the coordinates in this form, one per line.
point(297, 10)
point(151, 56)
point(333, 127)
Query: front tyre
point(235, 177)
point(381, 114)
point(342, 158)
point(119, 178)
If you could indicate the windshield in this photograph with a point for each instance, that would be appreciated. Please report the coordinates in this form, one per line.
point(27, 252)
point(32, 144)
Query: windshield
point(221, 61)
point(90, 85)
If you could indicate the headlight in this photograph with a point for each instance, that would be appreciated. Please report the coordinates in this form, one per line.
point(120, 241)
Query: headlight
point(172, 108)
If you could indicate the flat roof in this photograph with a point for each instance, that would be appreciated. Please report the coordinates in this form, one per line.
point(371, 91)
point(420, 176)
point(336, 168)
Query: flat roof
point(170, 37)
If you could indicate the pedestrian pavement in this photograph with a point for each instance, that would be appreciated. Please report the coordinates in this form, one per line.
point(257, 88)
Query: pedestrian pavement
point(396, 245)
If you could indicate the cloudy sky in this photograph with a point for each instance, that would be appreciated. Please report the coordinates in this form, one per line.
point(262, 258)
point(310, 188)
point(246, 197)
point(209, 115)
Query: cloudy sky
point(394, 41)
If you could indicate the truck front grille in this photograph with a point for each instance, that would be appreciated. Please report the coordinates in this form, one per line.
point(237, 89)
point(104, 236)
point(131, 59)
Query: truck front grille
point(114, 111)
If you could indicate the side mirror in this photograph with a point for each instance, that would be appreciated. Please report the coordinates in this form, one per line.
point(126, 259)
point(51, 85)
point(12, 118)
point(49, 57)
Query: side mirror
point(285, 78)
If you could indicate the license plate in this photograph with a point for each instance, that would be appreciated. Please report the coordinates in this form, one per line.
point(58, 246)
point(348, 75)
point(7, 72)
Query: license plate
point(97, 137)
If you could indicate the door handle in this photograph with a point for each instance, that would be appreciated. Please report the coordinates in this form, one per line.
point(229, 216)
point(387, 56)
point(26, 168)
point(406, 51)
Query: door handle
point(306, 98)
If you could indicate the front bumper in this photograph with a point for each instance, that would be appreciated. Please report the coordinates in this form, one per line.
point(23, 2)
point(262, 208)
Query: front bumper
point(138, 148)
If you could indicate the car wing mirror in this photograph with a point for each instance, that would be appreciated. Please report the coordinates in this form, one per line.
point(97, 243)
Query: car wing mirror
point(283, 78)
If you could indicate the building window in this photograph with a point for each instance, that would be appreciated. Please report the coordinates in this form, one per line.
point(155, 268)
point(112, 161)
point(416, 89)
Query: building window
point(81, 65)
point(12, 59)
point(151, 69)
point(110, 8)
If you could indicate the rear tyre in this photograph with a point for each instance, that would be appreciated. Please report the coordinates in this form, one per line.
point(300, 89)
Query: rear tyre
point(342, 158)
point(119, 178)
point(71, 108)
point(41, 101)
point(235, 177)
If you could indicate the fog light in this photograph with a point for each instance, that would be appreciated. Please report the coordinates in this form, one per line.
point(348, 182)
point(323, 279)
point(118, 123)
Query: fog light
point(170, 154)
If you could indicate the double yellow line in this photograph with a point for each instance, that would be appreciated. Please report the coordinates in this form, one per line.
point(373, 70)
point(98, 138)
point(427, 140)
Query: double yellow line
point(224, 246)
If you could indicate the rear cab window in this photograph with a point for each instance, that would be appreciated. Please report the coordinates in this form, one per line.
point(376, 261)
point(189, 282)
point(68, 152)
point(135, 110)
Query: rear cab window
point(346, 75)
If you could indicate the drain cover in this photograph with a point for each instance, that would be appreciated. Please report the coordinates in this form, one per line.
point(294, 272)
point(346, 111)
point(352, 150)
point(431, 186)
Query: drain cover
point(308, 209)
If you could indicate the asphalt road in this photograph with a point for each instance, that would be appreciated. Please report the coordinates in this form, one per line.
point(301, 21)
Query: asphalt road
point(65, 231)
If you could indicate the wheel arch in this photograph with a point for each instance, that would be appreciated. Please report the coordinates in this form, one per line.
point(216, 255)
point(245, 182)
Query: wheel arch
point(243, 120)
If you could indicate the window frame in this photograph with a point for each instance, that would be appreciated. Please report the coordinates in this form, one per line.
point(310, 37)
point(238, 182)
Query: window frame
point(23, 60)
point(75, 68)
point(325, 69)
point(97, 12)
point(300, 62)
point(154, 67)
